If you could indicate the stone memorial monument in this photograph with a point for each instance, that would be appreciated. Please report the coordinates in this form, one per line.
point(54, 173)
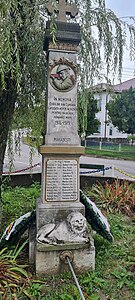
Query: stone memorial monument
point(60, 223)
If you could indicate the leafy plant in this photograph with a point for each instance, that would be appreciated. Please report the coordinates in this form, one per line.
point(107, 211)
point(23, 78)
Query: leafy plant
point(14, 279)
point(34, 289)
point(115, 196)
point(124, 277)
point(94, 297)
point(66, 297)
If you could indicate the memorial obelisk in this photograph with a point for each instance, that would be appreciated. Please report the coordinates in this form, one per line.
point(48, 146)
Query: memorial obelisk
point(60, 222)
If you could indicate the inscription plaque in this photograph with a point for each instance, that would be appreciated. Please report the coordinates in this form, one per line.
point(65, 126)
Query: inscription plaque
point(62, 111)
point(61, 180)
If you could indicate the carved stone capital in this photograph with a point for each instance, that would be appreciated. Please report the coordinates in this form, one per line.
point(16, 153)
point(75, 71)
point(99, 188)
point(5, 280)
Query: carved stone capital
point(67, 35)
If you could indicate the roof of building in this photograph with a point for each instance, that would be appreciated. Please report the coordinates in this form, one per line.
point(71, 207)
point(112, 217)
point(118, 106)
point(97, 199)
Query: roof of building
point(125, 85)
point(102, 87)
point(117, 88)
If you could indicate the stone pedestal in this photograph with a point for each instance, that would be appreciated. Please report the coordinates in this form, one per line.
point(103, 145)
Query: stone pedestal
point(60, 184)
point(59, 199)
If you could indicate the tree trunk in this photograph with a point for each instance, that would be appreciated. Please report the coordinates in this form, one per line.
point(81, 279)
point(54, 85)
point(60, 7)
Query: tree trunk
point(7, 105)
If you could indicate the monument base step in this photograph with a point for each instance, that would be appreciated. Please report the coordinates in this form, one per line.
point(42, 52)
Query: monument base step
point(51, 259)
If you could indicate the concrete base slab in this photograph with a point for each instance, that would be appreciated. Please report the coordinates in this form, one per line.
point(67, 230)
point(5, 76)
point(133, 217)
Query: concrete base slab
point(51, 259)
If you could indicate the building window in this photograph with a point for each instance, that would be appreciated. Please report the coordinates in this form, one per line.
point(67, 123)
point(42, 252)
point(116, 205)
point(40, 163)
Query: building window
point(110, 131)
point(99, 104)
point(99, 129)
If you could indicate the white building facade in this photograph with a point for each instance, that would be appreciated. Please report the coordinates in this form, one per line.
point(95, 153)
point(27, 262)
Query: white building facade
point(103, 94)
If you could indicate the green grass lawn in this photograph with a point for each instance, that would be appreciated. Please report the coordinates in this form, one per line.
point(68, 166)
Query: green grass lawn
point(127, 152)
point(113, 277)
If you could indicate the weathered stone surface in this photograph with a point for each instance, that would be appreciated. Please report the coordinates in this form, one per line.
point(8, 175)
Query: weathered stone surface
point(60, 178)
point(48, 258)
point(68, 37)
point(55, 212)
point(61, 109)
point(72, 229)
point(60, 197)
point(62, 9)
point(62, 46)
point(68, 150)
point(68, 27)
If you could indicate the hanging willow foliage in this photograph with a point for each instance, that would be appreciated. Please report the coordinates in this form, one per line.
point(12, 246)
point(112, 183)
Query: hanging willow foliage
point(22, 65)
point(103, 37)
point(102, 46)
point(22, 27)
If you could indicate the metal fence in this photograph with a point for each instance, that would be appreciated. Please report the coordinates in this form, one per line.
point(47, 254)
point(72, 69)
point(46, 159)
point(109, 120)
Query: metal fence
point(104, 145)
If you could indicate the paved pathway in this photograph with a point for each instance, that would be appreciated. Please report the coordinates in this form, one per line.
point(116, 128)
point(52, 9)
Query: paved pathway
point(22, 162)
point(124, 166)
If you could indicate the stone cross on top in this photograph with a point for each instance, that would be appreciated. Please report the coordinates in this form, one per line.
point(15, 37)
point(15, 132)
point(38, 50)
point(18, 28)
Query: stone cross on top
point(62, 8)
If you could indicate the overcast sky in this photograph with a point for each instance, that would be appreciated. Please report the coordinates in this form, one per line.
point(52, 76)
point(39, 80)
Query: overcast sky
point(124, 8)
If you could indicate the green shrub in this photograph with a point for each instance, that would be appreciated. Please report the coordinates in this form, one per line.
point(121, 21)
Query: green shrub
point(115, 196)
point(17, 201)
